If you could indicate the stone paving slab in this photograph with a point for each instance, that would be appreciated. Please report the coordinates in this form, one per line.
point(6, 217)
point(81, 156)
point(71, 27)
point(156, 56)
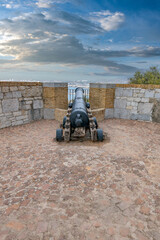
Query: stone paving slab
point(80, 190)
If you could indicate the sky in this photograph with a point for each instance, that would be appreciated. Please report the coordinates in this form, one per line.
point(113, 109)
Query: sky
point(78, 40)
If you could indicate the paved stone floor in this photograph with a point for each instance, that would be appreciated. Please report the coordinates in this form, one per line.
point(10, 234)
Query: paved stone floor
point(80, 190)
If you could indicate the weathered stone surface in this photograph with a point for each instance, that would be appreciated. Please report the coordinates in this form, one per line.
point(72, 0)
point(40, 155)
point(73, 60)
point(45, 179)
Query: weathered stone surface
point(157, 95)
point(48, 113)
point(145, 100)
point(21, 118)
point(127, 92)
point(119, 92)
point(35, 114)
point(0, 108)
point(122, 113)
point(137, 99)
point(5, 124)
point(149, 93)
point(8, 95)
point(21, 88)
point(156, 112)
point(98, 113)
point(37, 104)
point(116, 113)
point(13, 88)
point(109, 113)
point(59, 114)
point(18, 122)
point(120, 103)
point(17, 94)
point(5, 89)
point(10, 105)
point(145, 108)
point(1, 95)
point(29, 102)
point(142, 117)
point(34, 91)
point(17, 113)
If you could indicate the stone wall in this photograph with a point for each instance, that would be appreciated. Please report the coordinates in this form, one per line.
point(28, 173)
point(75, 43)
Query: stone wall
point(101, 95)
point(55, 95)
point(20, 103)
point(137, 104)
point(23, 102)
point(128, 101)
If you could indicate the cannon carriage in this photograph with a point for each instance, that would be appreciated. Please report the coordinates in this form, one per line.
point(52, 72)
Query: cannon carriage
point(79, 122)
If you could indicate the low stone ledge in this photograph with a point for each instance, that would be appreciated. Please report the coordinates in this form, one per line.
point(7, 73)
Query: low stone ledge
point(16, 84)
point(98, 113)
point(59, 114)
point(48, 113)
point(143, 86)
point(109, 113)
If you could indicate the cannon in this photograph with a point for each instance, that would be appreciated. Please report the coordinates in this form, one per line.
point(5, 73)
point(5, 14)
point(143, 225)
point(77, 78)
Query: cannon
point(79, 122)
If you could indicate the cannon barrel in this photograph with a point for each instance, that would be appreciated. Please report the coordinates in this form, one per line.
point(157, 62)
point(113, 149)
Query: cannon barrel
point(79, 116)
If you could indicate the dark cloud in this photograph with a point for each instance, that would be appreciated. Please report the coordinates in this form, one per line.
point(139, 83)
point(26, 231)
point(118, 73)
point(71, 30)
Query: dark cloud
point(49, 38)
point(65, 50)
point(58, 22)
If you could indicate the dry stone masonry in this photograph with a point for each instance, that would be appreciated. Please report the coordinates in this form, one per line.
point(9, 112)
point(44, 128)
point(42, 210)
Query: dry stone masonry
point(23, 102)
point(20, 104)
point(137, 104)
point(127, 101)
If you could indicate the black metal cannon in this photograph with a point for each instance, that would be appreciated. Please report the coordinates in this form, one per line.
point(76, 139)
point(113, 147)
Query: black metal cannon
point(78, 122)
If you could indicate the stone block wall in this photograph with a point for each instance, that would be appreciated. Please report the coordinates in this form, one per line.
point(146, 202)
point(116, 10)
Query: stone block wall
point(20, 103)
point(55, 95)
point(102, 96)
point(23, 102)
point(137, 103)
point(127, 101)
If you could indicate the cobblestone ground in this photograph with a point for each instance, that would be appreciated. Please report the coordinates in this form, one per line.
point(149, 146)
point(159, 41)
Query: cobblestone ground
point(80, 190)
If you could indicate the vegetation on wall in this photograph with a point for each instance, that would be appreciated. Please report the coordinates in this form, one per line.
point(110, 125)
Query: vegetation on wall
point(152, 76)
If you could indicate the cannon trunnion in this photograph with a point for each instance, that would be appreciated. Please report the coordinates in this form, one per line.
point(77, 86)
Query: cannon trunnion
point(79, 123)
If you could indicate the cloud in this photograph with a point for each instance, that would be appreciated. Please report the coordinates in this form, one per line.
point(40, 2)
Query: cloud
point(10, 4)
point(49, 3)
point(44, 3)
point(56, 22)
point(109, 21)
point(41, 38)
point(146, 52)
point(66, 50)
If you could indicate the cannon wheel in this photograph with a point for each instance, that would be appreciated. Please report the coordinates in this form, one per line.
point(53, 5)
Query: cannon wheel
point(59, 135)
point(100, 135)
point(95, 121)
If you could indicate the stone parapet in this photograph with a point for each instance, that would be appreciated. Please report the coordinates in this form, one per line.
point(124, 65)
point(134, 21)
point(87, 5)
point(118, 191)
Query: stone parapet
point(127, 101)
point(17, 84)
point(55, 95)
point(140, 86)
point(20, 103)
point(137, 103)
point(59, 114)
point(98, 113)
point(102, 95)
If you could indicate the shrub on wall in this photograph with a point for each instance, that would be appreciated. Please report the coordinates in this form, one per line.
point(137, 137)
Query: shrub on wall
point(152, 76)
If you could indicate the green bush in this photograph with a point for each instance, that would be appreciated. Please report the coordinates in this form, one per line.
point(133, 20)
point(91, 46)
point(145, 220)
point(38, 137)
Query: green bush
point(149, 77)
